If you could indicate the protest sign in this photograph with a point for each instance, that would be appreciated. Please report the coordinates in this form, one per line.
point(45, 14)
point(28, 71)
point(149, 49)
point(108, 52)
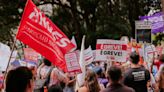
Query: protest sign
point(15, 63)
point(30, 54)
point(4, 56)
point(112, 50)
point(40, 33)
point(150, 53)
point(72, 62)
point(143, 31)
point(88, 55)
point(94, 55)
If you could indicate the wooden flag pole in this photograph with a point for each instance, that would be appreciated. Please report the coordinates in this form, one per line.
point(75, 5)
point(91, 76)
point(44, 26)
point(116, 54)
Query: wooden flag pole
point(12, 50)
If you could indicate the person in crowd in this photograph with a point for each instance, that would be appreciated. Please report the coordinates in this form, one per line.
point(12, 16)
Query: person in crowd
point(159, 61)
point(101, 76)
point(34, 71)
point(1, 81)
point(160, 80)
point(19, 80)
point(43, 73)
point(160, 75)
point(91, 83)
point(58, 77)
point(71, 80)
point(137, 76)
point(114, 75)
point(44, 69)
point(55, 88)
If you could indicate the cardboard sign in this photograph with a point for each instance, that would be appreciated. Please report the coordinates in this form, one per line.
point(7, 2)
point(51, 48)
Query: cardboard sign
point(112, 50)
point(72, 62)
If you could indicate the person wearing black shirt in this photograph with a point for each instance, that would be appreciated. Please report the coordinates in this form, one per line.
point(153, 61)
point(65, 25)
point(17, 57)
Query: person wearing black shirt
point(137, 76)
point(115, 76)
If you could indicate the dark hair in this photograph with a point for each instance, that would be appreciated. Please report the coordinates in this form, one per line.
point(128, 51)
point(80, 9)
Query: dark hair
point(134, 57)
point(98, 70)
point(46, 62)
point(114, 73)
point(161, 58)
point(55, 88)
point(18, 79)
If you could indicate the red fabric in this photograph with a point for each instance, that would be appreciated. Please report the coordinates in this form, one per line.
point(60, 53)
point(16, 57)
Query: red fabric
point(158, 63)
point(111, 46)
point(39, 32)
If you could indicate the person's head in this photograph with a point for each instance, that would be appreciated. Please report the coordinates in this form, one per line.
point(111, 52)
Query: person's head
point(19, 80)
point(47, 62)
point(92, 82)
point(114, 74)
point(55, 88)
point(161, 58)
point(134, 58)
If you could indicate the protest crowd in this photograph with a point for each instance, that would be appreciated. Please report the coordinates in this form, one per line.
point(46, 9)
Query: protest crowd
point(134, 75)
point(52, 62)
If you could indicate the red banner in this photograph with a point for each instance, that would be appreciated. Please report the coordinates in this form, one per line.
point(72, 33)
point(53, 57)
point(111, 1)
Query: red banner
point(39, 32)
point(111, 46)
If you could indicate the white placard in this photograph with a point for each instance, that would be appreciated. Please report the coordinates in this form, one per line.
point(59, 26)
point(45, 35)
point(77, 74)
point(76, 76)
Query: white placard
point(72, 62)
point(88, 55)
point(150, 52)
point(4, 56)
point(111, 50)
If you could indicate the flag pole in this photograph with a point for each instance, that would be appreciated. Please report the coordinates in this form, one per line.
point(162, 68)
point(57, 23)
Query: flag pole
point(77, 81)
point(12, 50)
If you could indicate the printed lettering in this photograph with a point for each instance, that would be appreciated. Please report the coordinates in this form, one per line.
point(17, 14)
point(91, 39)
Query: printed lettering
point(63, 42)
point(139, 76)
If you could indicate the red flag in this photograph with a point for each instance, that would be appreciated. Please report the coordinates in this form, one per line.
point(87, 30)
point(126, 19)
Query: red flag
point(39, 32)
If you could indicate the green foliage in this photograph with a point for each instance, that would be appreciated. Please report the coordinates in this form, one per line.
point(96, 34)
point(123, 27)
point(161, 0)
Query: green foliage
point(108, 19)
point(9, 19)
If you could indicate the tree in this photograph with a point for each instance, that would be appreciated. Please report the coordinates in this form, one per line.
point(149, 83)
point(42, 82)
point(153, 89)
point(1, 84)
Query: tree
point(95, 18)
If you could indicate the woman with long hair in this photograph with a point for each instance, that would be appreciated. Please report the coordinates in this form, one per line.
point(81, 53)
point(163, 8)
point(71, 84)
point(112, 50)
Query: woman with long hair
point(91, 83)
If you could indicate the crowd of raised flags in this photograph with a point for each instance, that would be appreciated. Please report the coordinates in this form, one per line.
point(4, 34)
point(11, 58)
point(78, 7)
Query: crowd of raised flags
point(51, 55)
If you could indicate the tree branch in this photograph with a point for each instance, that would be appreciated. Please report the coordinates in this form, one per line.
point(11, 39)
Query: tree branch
point(60, 4)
